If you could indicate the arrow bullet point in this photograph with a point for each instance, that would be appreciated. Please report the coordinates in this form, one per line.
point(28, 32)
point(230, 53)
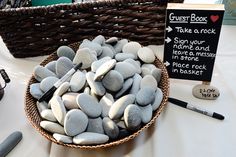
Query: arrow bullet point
point(166, 63)
point(168, 40)
point(169, 29)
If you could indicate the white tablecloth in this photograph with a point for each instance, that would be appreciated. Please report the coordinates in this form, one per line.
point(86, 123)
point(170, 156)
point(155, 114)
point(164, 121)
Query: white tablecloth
point(177, 132)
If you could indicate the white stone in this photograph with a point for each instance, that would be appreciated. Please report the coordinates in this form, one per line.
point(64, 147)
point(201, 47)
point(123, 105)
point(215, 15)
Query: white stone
point(89, 138)
point(104, 68)
point(48, 115)
point(58, 109)
point(131, 47)
point(146, 113)
point(62, 138)
point(148, 81)
point(41, 72)
point(85, 57)
point(63, 65)
point(63, 88)
point(158, 99)
point(96, 64)
point(77, 81)
point(48, 83)
point(146, 55)
point(206, 92)
point(52, 127)
point(69, 100)
point(125, 69)
point(106, 102)
point(96, 86)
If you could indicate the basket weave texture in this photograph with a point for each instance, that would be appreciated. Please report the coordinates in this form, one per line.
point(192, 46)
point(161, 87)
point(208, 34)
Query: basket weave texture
point(34, 31)
point(33, 115)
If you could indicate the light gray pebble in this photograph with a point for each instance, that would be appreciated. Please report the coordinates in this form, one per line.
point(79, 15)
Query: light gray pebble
point(104, 68)
point(126, 86)
point(106, 52)
point(52, 127)
point(113, 81)
point(51, 66)
point(76, 122)
point(149, 66)
point(121, 124)
point(96, 86)
point(132, 117)
point(89, 138)
point(63, 65)
point(146, 112)
point(48, 83)
point(145, 96)
point(119, 45)
point(48, 115)
point(156, 73)
point(112, 40)
point(35, 90)
point(77, 81)
point(146, 55)
point(136, 84)
point(117, 109)
point(132, 47)
point(125, 69)
point(92, 46)
point(145, 71)
point(41, 72)
point(58, 109)
point(96, 64)
point(95, 125)
point(158, 99)
point(62, 138)
point(206, 92)
point(106, 102)
point(87, 90)
point(84, 56)
point(89, 105)
point(69, 100)
point(63, 88)
point(124, 56)
point(66, 51)
point(41, 106)
point(99, 39)
point(148, 81)
point(110, 128)
point(136, 64)
point(111, 47)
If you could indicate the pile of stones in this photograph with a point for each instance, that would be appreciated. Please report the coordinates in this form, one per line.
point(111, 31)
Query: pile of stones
point(112, 95)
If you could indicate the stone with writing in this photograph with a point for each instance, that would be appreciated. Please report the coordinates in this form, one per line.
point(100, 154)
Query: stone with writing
point(206, 92)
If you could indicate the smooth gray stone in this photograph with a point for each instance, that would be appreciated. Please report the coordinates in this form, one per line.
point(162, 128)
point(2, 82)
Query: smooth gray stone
point(117, 109)
point(58, 109)
point(119, 45)
point(77, 81)
point(136, 64)
point(62, 138)
point(145, 96)
point(132, 117)
point(111, 47)
point(106, 102)
point(146, 55)
point(66, 51)
point(87, 90)
point(121, 124)
point(124, 56)
point(156, 73)
point(158, 99)
point(136, 84)
point(92, 46)
point(76, 122)
point(99, 39)
point(145, 71)
point(48, 83)
point(148, 81)
point(112, 40)
point(149, 66)
point(51, 66)
point(41, 72)
point(113, 81)
point(132, 47)
point(48, 115)
point(96, 64)
point(69, 100)
point(63, 88)
point(106, 52)
point(90, 138)
point(63, 65)
point(84, 56)
point(95, 125)
point(35, 90)
point(42, 106)
point(89, 105)
point(146, 113)
point(104, 68)
point(150, 69)
point(126, 86)
point(110, 128)
point(96, 86)
point(125, 69)
point(10, 142)
point(52, 127)
point(206, 92)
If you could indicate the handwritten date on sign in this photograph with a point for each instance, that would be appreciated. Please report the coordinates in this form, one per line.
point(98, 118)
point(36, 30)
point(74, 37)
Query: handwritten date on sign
point(206, 92)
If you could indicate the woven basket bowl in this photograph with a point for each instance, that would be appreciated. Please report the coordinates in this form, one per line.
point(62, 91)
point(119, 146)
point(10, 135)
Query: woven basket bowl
point(33, 115)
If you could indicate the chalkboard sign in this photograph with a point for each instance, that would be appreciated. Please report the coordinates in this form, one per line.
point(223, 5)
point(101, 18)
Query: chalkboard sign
point(191, 40)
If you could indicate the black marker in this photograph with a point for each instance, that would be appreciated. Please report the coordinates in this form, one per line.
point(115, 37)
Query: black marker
point(47, 95)
point(199, 110)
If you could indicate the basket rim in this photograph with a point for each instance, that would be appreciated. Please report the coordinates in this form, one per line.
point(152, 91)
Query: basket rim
point(49, 136)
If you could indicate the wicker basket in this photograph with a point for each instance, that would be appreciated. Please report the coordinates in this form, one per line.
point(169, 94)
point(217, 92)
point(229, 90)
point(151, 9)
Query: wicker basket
point(34, 31)
point(35, 119)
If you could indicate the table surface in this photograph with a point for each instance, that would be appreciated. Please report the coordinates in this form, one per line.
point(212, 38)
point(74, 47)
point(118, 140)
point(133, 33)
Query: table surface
point(177, 131)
